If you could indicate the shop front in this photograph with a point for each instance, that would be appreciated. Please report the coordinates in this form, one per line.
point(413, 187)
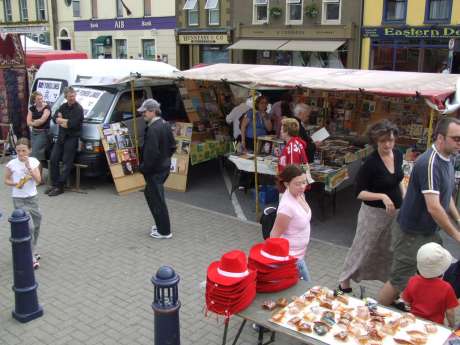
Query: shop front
point(146, 38)
point(334, 47)
point(203, 47)
point(411, 48)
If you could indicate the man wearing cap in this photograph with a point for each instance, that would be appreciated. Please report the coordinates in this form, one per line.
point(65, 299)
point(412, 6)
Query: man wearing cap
point(428, 295)
point(425, 207)
point(159, 146)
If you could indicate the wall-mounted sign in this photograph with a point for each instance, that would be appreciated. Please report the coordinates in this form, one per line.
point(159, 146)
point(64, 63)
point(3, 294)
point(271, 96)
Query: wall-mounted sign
point(410, 32)
point(147, 23)
point(204, 38)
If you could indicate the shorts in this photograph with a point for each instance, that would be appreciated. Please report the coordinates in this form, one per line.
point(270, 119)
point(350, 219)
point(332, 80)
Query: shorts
point(405, 246)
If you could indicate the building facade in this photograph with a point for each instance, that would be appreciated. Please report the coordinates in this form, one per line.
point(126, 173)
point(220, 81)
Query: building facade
point(118, 28)
point(316, 33)
point(27, 16)
point(204, 32)
point(411, 35)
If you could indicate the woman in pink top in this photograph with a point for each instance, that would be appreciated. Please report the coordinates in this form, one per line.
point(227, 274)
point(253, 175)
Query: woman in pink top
point(293, 216)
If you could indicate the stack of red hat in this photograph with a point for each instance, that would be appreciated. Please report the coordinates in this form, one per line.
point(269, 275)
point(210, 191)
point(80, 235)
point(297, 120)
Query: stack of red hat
point(276, 269)
point(230, 286)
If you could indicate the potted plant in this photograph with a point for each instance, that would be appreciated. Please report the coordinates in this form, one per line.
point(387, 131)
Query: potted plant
point(312, 11)
point(276, 12)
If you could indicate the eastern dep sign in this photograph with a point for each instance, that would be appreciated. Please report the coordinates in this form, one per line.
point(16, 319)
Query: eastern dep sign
point(203, 38)
point(409, 32)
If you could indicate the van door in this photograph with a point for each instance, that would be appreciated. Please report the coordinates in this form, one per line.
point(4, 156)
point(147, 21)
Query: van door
point(123, 112)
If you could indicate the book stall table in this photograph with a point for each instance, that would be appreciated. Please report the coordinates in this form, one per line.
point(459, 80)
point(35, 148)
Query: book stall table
point(330, 177)
point(262, 317)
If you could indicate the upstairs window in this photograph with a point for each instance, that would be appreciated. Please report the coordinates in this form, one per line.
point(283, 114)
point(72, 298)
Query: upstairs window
point(147, 8)
point(93, 8)
point(294, 11)
point(395, 10)
point(438, 10)
point(8, 11)
point(193, 14)
point(41, 9)
point(76, 8)
point(331, 12)
point(119, 8)
point(260, 11)
point(213, 12)
point(23, 10)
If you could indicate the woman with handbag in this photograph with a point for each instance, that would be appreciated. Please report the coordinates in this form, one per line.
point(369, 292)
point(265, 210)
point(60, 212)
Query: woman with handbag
point(38, 119)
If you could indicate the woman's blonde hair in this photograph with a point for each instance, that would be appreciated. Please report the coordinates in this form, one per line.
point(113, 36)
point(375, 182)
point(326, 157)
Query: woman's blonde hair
point(34, 95)
point(290, 126)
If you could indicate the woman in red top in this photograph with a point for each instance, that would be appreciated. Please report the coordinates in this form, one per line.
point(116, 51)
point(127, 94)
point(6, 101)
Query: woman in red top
point(294, 151)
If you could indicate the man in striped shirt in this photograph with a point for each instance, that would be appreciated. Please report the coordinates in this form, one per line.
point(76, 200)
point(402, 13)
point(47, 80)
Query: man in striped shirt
point(425, 207)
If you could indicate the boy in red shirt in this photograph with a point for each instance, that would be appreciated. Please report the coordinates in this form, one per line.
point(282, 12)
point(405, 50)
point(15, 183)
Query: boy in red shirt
point(428, 295)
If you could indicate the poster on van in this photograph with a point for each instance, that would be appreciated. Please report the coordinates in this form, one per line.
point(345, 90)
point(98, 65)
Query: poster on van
point(50, 89)
point(88, 98)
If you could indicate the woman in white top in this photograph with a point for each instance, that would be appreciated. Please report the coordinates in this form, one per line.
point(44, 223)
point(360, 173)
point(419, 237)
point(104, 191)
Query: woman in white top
point(23, 174)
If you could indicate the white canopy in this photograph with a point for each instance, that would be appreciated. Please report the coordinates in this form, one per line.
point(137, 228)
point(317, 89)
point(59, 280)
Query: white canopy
point(29, 44)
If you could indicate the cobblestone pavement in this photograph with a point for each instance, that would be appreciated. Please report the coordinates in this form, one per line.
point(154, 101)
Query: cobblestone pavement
point(97, 261)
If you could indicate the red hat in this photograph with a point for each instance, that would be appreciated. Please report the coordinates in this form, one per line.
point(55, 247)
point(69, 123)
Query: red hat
point(262, 269)
point(231, 306)
point(225, 297)
point(274, 251)
point(232, 289)
point(232, 269)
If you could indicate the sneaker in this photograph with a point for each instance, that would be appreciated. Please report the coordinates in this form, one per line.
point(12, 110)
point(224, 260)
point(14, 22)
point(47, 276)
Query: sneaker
point(37, 256)
point(341, 290)
point(153, 230)
point(156, 234)
point(35, 264)
point(56, 191)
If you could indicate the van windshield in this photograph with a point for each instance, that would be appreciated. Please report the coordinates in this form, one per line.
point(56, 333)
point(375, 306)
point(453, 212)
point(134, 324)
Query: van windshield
point(95, 102)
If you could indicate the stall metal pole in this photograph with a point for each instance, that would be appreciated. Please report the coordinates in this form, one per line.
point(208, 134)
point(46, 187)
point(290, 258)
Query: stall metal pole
point(254, 131)
point(430, 129)
point(133, 109)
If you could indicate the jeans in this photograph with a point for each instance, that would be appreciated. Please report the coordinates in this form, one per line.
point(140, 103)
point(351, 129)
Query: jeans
point(155, 195)
point(66, 151)
point(303, 270)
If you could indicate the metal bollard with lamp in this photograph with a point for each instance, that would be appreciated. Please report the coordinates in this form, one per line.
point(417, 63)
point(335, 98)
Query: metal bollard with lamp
point(166, 306)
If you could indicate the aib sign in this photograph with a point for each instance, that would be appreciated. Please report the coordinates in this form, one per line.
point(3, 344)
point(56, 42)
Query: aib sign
point(126, 24)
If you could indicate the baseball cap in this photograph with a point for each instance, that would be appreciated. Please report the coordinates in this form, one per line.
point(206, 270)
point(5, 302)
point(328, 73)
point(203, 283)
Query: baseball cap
point(149, 105)
point(433, 260)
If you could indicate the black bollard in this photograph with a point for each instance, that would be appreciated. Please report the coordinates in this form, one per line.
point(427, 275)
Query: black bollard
point(166, 306)
point(25, 287)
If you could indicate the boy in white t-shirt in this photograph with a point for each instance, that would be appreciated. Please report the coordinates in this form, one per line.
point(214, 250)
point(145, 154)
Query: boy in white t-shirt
point(23, 174)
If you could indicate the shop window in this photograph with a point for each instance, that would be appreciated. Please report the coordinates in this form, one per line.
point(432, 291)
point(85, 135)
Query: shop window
point(260, 11)
point(147, 8)
point(119, 7)
point(41, 9)
point(294, 11)
point(433, 59)
point(438, 11)
point(93, 8)
point(121, 49)
point(382, 57)
point(214, 54)
point(148, 49)
point(76, 8)
point(331, 12)
point(23, 10)
point(97, 49)
point(213, 12)
point(193, 14)
point(406, 59)
point(395, 10)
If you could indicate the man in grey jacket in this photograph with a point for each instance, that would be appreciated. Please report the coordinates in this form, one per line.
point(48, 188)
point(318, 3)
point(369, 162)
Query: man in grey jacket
point(159, 146)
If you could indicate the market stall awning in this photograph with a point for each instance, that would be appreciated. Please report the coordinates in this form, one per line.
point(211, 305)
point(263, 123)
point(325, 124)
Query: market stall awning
point(435, 87)
point(258, 44)
point(312, 46)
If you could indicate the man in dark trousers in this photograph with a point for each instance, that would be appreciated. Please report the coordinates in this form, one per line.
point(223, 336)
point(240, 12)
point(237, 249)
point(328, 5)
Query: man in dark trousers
point(159, 146)
point(69, 118)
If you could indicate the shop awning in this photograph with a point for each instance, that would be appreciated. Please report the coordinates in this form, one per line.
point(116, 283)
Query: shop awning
point(312, 46)
point(105, 40)
point(258, 44)
point(435, 87)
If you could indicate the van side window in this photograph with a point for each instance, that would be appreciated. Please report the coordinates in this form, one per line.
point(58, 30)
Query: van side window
point(170, 99)
point(123, 109)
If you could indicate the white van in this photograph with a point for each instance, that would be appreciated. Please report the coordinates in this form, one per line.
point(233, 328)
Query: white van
point(106, 98)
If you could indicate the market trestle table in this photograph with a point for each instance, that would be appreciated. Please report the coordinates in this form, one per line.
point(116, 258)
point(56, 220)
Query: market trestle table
point(254, 313)
point(330, 177)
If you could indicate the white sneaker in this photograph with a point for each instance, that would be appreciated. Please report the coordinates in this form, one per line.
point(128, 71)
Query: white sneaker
point(156, 234)
point(153, 230)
